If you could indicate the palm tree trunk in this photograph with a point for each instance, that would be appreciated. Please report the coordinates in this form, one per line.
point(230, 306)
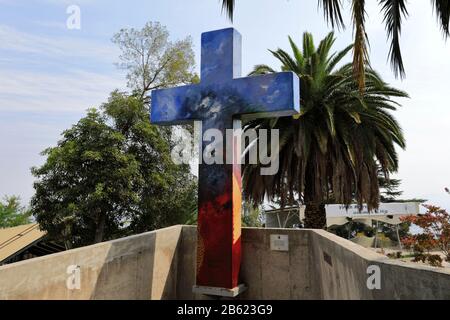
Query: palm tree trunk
point(315, 216)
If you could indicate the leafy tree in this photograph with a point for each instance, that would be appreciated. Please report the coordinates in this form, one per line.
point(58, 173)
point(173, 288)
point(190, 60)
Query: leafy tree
point(394, 12)
point(111, 175)
point(12, 214)
point(88, 186)
point(168, 195)
point(152, 61)
point(389, 189)
point(337, 144)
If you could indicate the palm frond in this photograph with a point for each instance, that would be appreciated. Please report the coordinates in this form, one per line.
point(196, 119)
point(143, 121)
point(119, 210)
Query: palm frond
point(260, 69)
point(336, 58)
point(442, 11)
point(286, 59)
point(308, 45)
point(297, 53)
point(323, 50)
point(332, 12)
point(394, 12)
point(228, 7)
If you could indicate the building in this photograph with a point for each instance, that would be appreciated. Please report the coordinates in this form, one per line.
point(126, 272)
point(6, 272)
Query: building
point(25, 242)
point(338, 214)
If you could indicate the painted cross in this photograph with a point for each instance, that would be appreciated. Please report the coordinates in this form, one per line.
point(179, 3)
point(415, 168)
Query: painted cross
point(219, 101)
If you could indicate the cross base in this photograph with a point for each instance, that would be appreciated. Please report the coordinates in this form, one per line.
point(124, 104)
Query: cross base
point(220, 292)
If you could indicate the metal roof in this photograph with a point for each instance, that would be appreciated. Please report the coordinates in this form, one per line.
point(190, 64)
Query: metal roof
point(17, 239)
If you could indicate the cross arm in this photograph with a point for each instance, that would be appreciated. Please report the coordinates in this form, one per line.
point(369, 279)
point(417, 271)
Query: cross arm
point(271, 95)
point(171, 106)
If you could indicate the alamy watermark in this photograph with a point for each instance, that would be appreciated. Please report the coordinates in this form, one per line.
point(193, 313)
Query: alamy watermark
point(374, 279)
point(234, 146)
point(73, 22)
point(73, 281)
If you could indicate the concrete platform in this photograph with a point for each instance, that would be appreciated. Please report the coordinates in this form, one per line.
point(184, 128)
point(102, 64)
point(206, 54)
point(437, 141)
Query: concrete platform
point(162, 265)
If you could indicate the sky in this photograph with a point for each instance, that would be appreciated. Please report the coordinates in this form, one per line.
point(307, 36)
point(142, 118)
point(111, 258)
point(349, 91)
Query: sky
point(50, 75)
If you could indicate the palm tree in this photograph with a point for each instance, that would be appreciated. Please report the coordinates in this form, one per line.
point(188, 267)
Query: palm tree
point(337, 144)
point(394, 11)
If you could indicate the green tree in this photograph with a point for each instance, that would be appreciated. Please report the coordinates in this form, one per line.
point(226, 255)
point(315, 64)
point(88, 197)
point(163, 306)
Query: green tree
point(152, 61)
point(88, 186)
point(389, 189)
point(394, 12)
point(111, 175)
point(169, 194)
point(12, 214)
point(337, 144)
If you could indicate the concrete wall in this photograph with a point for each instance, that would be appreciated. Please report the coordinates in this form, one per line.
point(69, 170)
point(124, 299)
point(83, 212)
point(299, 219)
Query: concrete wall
point(278, 275)
point(268, 274)
point(161, 265)
point(343, 273)
point(138, 267)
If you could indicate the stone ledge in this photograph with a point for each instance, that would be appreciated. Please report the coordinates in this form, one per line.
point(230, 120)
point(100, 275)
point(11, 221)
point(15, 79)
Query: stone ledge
point(220, 292)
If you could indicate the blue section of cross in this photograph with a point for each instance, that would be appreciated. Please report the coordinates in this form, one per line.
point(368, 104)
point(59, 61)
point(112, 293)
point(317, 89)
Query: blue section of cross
point(221, 93)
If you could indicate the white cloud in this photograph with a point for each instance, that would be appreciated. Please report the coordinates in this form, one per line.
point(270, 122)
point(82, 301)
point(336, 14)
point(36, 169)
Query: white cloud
point(61, 47)
point(51, 24)
point(72, 91)
point(65, 85)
